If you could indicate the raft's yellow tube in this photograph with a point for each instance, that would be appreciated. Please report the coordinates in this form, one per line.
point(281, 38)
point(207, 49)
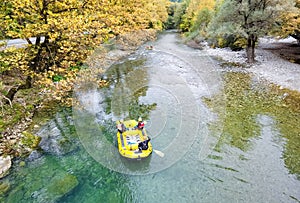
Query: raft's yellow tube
point(128, 141)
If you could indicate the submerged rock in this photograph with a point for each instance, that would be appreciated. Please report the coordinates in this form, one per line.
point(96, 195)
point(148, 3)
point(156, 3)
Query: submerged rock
point(4, 188)
point(60, 185)
point(5, 164)
point(57, 137)
point(34, 155)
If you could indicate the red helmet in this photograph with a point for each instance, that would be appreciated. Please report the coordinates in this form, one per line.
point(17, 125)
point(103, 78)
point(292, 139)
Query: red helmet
point(142, 125)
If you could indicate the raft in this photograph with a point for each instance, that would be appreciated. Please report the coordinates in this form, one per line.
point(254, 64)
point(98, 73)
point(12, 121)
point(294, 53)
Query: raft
point(129, 140)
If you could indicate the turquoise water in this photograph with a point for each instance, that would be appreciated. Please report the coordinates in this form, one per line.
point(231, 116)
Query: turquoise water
point(226, 136)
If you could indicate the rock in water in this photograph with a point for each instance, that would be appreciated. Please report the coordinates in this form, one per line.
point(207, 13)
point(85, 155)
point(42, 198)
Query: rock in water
point(60, 185)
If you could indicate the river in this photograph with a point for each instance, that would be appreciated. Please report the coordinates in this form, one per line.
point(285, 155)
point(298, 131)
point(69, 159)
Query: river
point(227, 136)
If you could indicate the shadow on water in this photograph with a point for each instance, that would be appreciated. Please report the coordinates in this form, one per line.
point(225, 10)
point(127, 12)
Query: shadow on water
point(245, 101)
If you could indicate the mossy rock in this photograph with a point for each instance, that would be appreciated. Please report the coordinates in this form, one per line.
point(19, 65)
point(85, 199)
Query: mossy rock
point(61, 186)
point(4, 188)
point(22, 163)
point(30, 140)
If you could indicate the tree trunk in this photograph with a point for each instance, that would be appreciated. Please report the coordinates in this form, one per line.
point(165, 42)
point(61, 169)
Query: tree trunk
point(12, 92)
point(296, 36)
point(251, 48)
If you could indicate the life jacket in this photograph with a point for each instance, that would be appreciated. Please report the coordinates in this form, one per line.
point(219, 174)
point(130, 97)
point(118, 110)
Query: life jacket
point(144, 145)
point(141, 125)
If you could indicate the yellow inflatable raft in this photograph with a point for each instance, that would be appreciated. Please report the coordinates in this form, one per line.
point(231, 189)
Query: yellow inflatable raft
point(129, 139)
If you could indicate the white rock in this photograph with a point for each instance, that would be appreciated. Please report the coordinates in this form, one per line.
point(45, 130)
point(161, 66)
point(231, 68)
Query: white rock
point(5, 164)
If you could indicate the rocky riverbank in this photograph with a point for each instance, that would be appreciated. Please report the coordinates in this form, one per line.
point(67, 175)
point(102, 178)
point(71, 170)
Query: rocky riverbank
point(277, 61)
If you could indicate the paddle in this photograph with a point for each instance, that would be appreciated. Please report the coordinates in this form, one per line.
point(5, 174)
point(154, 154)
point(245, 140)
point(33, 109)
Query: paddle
point(159, 153)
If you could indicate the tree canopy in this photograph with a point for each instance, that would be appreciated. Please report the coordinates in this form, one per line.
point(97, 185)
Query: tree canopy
point(290, 24)
point(62, 34)
point(240, 19)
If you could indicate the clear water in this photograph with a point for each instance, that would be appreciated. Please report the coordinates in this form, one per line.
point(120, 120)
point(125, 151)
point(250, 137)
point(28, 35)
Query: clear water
point(226, 135)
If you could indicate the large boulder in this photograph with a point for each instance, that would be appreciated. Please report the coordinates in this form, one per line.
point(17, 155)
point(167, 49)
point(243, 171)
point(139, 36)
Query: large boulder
point(5, 164)
point(59, 186)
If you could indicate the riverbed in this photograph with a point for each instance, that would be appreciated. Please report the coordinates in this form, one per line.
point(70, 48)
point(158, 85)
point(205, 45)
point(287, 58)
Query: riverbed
point(227, 136)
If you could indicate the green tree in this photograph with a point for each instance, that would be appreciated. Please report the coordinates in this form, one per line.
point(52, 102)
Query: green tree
point(249, 19)
point(178, 13)
point(197, 14)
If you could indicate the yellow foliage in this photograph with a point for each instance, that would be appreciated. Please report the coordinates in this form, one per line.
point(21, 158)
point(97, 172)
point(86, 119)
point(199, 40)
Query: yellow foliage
point(69, 31)
point(196, 6)
point(291, 20)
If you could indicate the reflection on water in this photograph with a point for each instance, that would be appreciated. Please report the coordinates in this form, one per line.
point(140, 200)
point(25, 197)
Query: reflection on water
point(245, 101)
point(128, 81)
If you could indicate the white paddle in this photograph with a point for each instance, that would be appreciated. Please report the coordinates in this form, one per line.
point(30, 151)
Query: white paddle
point(159, 153)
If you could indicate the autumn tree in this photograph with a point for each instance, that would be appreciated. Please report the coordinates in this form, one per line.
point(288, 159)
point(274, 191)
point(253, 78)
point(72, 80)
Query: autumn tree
point(249, 19)
point(290, 23)
point(61, 34)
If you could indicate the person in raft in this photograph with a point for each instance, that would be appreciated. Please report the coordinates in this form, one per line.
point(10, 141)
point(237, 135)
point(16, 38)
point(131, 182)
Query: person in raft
point(120, 126)
point(140, 124)
point(143, 145)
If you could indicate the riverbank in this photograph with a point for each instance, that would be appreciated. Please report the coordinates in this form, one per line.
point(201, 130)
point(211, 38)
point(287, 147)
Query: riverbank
point(29, 110)
point(276, 61)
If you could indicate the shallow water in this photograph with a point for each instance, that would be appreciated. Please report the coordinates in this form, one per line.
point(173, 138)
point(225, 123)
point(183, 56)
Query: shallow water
point(226, 135)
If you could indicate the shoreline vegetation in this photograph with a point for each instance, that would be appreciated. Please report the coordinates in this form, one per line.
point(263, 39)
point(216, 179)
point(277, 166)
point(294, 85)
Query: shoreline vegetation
point(32, 107)
point(61, 36)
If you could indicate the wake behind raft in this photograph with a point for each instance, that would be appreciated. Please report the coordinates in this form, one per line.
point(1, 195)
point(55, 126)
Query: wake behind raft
point(133, 142)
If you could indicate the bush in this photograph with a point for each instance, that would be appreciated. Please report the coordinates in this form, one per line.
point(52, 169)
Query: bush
point(235, 43)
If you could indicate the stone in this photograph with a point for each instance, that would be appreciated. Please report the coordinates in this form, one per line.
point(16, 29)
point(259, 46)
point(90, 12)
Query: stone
point(4, 188)
point(34, 155)
point(59, 186)
point(5, 164)
point(22, 163)
point(55, 138)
